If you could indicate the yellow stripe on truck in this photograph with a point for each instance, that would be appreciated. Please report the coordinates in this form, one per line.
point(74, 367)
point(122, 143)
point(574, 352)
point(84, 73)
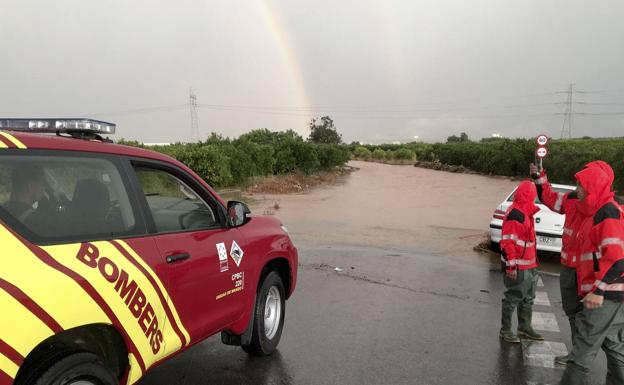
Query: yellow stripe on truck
point(8, 366)
point(135, 371)
point(13, 140)
point(55, 292)
point(19, 328)
point(126, 290)
point(170, 304)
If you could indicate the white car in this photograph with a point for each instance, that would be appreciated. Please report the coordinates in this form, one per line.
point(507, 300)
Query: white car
point(548, 224)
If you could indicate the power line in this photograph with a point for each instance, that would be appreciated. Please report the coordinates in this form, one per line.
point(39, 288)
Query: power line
point(599, 104)
point(140, 110)
point(373, 117)
point(616, 91)
point(327, 110)
point(396, 111)
point(600, 113)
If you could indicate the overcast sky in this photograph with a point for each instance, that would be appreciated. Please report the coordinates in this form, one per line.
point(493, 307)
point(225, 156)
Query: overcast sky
point(384, 70)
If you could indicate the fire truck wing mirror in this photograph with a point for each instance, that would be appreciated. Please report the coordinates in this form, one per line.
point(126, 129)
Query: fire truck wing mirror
point(238, 214)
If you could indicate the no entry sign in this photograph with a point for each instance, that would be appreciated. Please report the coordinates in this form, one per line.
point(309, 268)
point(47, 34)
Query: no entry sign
point(541, 152)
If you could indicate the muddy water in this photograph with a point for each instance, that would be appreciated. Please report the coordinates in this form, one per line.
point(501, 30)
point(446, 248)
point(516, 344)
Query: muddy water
point(395, 207)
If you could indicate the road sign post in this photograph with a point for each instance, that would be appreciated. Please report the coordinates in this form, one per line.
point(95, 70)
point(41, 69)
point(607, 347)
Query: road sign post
point(542, 150)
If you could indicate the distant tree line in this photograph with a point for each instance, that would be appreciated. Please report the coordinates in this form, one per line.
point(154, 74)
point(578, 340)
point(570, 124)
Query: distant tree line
point(510, 157)
point(227, 162)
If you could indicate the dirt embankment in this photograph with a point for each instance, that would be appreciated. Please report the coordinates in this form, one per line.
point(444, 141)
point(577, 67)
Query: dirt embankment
point(444, 167)
point(297, 182)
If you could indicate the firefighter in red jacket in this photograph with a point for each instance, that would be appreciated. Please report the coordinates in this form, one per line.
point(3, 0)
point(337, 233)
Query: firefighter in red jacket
point(566, 204)
point(600, 273)
point(519, 257)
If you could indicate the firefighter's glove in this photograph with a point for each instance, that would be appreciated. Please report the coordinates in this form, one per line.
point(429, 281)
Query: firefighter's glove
point(512, 273)
point(534, 171)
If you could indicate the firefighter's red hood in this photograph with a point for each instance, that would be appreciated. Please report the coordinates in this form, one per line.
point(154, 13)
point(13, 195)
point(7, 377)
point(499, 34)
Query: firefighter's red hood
point(524, 198)
point(597, 186)
point(605, 167)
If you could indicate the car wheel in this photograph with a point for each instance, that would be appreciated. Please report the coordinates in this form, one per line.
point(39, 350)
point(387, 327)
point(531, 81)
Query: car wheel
point(77, 369)
point(268, 320)
point(495, 247)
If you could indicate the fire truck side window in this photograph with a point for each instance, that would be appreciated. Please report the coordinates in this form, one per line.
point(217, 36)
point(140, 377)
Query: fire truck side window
point(57, 199)
point(173, 204)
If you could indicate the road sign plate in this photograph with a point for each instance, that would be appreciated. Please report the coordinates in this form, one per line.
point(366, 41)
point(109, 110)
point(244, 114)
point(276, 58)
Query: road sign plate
point(542, 140)
point(541, 152)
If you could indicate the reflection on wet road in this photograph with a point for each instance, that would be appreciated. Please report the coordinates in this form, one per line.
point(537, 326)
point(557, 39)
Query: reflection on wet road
point(381, 317)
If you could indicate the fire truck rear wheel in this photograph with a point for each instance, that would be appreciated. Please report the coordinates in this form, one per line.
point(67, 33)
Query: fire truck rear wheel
point(77, 369)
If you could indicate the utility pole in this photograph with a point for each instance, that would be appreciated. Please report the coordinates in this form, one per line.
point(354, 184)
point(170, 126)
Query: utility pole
point(194, 120)
point(566, 128)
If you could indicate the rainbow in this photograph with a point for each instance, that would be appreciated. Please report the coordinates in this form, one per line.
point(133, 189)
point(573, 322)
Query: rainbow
point(288, 52)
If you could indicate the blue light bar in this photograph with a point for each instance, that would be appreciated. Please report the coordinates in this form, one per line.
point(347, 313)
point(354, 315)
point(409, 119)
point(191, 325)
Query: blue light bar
point(47, 125)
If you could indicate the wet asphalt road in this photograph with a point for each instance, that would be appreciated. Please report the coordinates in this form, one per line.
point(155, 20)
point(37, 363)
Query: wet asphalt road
point(387, 317)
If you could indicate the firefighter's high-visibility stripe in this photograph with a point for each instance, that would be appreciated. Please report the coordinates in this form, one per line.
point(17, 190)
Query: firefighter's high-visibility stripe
point(169, 307)
point(590, 256)
point(612, 241)
point(16, 142)
point(51, 255)
point(31, 305)
point(10, 353)
point(8, 367)
point(518, 262)
point(586, 288)
point(609, 287)
point(559, 202)
point(5, 379)
point(517, 240)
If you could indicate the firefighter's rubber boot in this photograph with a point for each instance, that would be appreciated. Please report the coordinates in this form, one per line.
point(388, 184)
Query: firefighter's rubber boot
point(505, 333)
point(509, 336)
point(562, 360)
point(525, 330)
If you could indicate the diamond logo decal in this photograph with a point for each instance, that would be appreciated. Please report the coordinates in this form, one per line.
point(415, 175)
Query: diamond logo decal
point(236, 253)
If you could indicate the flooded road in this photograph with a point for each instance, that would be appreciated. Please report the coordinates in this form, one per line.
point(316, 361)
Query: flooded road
point(395, 207)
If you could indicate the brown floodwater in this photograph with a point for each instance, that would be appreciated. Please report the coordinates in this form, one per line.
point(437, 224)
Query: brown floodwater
point(395, 207)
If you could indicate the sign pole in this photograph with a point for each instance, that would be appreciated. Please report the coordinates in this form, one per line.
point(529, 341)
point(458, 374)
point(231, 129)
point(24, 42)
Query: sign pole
point(541, 151)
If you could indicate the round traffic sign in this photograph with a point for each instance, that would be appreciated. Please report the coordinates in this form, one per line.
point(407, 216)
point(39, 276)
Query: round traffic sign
point(541, 152)
point(542, 140)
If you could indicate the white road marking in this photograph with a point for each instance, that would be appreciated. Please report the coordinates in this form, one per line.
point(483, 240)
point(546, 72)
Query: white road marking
point(541, 298)
point(545, 322)
point(537, 353)
point(542, 354)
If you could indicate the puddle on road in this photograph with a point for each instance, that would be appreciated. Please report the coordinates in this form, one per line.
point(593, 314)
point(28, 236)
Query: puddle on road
point(394, 207)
